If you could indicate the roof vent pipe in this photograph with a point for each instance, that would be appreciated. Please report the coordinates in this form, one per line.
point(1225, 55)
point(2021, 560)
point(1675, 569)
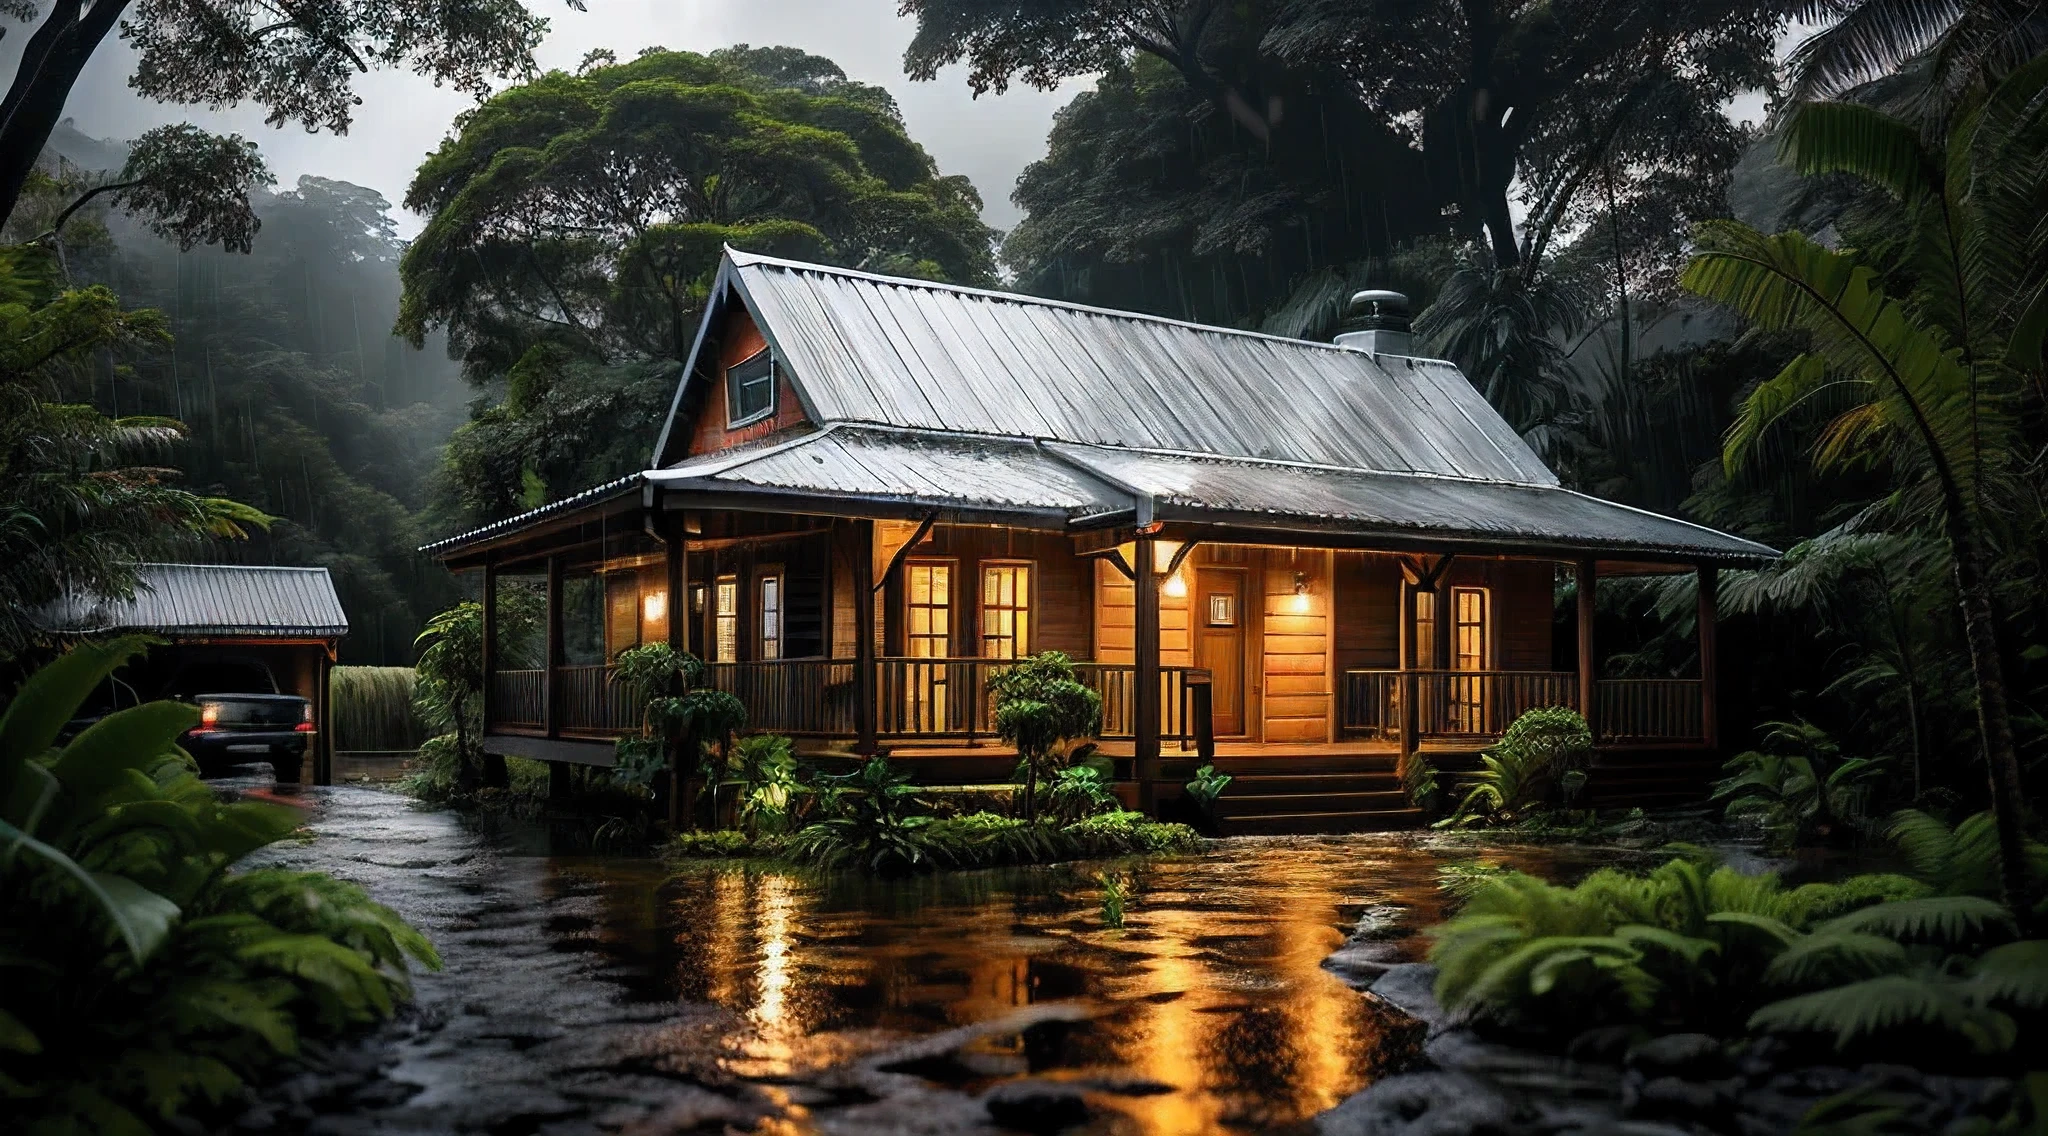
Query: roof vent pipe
point(1376, 322)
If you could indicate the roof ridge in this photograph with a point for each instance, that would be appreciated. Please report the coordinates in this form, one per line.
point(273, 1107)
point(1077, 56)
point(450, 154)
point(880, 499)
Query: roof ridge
point(743, 259)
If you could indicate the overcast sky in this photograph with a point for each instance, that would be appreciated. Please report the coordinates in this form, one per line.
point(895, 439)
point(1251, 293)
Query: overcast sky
point(989, 139)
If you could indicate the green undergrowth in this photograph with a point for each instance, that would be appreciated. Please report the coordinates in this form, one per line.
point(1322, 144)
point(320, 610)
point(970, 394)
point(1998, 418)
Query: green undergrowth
point(1926, 968)
point(972, 840)
point(146, 976)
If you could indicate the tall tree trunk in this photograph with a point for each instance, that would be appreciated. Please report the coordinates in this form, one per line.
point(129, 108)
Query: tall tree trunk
point(1994, 719)
point(50, 64)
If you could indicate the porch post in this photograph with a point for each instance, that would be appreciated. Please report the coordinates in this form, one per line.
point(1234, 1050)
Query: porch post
point(1411, 718)
point(489, 651)
point(1145, 675)
point(864, 637)
point(551, 708)
point(1589, 672)
point(677, 548)
point(323, 720)
point(1710, 655)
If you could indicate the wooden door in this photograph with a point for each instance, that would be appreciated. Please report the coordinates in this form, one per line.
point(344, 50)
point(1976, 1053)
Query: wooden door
point(1219, 617)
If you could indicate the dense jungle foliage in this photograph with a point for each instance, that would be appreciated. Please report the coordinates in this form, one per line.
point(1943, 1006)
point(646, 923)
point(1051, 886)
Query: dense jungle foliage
point(148, 976)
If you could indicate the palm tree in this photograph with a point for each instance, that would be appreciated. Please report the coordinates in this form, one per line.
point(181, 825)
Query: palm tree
point(1937, 371)
point(1956, 44)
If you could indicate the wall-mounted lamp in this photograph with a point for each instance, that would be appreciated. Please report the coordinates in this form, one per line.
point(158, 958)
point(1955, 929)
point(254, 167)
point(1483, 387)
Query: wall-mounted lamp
point(1301, 601)
point(654, 607)
point(1176, 585)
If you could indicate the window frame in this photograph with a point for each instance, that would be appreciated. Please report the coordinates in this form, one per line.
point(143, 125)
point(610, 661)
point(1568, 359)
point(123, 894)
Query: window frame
point(766, 579)
point(733, 419)
point(1026, 604)
point(721, 619)
point(951, 607)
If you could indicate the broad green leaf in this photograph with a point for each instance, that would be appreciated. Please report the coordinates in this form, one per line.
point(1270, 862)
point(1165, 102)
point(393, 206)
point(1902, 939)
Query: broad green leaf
point(141, 916)
point(136, 738)
point(52, 695)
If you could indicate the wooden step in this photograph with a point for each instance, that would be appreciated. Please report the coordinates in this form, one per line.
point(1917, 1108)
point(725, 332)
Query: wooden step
point(1243, 764)
point(1298, 803)
point(1294, 784)
point(1316, 823)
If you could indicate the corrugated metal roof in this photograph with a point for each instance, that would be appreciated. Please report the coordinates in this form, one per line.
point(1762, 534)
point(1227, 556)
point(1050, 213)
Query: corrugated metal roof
point(905, 353)
point(265, 601)
point(608, 490)
point(1369, 502)
point(997, 474)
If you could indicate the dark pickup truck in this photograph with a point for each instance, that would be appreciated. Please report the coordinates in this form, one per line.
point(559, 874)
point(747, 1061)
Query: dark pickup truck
point(242, 717)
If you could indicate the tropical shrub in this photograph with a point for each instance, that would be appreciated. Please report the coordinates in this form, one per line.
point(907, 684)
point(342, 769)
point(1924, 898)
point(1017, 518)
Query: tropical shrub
point(448, 689)
point(1078, 791)
point(868, 823)
point(1541, 756)
point(1419, 781)
point(1855, 965)
point(1041, 703)
point(1800, 786)
point(145, 980)
point(765, 767)
point(1963, 860)
point(1204, 788)
point(719, 844)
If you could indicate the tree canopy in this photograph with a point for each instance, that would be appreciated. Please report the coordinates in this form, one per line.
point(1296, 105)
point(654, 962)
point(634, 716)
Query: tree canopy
point(297, 59)
point(587, 211)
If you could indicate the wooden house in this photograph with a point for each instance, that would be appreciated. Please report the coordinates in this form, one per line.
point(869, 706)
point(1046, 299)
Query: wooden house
point(1305, 559)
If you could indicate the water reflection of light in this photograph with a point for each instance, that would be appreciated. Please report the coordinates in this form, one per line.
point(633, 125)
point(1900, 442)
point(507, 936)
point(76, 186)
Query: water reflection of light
point(777, 907)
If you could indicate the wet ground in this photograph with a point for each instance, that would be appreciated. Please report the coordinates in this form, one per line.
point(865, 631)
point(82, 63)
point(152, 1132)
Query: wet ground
point(583, 994)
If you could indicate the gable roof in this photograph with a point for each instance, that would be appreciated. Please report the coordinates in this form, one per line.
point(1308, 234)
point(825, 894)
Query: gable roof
point(994, 407)
point(258, 601)
point(910, 354)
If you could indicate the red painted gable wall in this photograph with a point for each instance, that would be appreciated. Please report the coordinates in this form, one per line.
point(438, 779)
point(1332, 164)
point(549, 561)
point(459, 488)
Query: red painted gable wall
point(708, 434)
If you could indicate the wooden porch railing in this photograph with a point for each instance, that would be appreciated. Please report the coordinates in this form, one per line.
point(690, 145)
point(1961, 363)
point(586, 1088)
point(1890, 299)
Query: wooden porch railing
point(937, 699)
point(1634, 710)
point(1474, 705)
point(519, 699)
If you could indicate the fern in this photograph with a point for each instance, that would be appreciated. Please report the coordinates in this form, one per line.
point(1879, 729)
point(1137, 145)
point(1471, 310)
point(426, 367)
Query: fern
point(2014, 975)
point(1950, 920)
point(1863, 1010)
point(1833, 959)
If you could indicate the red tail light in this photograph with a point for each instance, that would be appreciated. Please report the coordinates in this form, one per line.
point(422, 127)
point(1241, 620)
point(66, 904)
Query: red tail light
point(305, 725)
point(209, 714)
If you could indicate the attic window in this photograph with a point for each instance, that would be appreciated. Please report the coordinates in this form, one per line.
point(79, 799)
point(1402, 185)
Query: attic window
point(750, 389)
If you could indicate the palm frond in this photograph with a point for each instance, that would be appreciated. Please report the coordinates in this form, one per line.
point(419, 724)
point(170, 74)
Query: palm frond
point(1861, 1010)
point(1946, 920)
point(1833, 959)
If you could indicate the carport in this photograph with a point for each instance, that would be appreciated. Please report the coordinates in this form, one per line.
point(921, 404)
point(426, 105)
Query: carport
point(289, 619)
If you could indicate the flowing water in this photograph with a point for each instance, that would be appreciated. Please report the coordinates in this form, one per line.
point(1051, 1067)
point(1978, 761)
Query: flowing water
point(587, 993)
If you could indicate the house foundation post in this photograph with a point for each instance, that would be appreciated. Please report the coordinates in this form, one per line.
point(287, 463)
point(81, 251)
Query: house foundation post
point(1409, 721)
point(1145, 675)
point(1589, 671)
point(1710, 655)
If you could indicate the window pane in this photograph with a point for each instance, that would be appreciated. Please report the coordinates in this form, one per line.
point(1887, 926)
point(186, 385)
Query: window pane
point(771, 617)
point(750, 388)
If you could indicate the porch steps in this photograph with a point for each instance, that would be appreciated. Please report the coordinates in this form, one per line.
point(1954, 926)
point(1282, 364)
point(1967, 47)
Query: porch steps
point(1317, 824)
point(1320, 793)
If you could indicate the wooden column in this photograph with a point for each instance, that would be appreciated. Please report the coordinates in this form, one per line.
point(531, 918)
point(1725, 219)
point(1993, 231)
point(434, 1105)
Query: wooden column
point(323, 724)
point(550, 703)
point(1145, 675)
point(864, 637)
point(1411, 718)
point(677, 550)
point(1589, 671)
point(1710, 655)
point(490, 660)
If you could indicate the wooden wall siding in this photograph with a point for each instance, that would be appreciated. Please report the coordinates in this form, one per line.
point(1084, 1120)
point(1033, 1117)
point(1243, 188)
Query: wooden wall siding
point(739, 341)
point(1367, 611)
point(1116, 619)
point(1062, 616)
point(804, 562)
point(1296, 704)
point(1527, 614)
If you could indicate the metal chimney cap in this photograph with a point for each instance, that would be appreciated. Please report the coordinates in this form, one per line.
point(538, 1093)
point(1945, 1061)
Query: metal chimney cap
point(1378, 296)
point(1377, 309)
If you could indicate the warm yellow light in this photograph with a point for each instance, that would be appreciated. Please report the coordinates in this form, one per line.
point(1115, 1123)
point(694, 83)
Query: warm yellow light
point(1164, 553)
point(654, 607)
point(1300, 603)
point(1176, 585)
